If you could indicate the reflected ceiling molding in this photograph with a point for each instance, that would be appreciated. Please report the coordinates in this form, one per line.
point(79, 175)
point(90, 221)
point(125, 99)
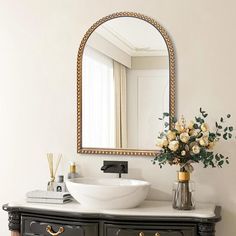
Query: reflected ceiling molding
point(111, 34)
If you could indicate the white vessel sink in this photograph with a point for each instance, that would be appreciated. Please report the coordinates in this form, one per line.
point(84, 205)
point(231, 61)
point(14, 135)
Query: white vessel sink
point(108, 193)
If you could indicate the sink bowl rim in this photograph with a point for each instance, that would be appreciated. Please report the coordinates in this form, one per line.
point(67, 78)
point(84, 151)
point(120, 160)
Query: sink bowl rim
point(127, 182)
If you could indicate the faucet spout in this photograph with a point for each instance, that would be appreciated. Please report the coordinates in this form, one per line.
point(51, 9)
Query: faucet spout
point(105, 167)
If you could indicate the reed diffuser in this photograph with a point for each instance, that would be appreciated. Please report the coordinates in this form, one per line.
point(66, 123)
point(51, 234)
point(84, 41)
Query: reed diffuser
point(52, 172)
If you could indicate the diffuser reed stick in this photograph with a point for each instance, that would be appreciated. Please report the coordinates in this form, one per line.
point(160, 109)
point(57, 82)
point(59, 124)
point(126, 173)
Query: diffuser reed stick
point(57, 164)
point(52, 171)
point(50, 164)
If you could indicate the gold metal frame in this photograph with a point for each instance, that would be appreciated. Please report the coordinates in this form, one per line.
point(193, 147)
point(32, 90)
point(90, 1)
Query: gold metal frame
point(170, 47)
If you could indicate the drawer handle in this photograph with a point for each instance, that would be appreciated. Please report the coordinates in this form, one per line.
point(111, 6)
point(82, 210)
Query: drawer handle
point(50, 231)
point(156, 234)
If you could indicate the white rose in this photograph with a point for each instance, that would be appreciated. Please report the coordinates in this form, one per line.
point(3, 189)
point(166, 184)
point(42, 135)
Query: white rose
point(163, 142)
point(196, 149)
point(184, 137)
point(173, 145)
point(171, 135)
point(203, 141)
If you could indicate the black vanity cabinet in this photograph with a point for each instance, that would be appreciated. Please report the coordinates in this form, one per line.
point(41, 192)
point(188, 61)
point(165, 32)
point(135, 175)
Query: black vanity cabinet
point(149, 230)
point(25, 220)
point(31, 225)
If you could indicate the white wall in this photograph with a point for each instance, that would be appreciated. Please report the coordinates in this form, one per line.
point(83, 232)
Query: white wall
point(38, 47)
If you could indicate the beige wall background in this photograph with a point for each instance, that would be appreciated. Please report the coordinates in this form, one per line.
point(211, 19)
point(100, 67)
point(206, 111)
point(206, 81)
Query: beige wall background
point(38, 48)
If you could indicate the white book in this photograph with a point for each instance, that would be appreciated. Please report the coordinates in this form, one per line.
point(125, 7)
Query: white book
point(48, 200)
point(47, 194)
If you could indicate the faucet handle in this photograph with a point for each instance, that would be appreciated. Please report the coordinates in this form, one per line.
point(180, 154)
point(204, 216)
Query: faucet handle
point(120, 167)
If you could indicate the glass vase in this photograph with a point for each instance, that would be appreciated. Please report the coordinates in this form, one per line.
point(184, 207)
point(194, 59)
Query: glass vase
point(183, 192)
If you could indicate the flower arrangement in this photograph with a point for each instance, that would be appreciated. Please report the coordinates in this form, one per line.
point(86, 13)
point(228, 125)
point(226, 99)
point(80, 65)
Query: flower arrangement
point(185, 143)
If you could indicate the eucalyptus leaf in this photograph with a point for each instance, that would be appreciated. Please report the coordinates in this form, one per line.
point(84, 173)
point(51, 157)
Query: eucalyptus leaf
point(174, 119)
point(220, 163)
point(201, 121)
point(212, 164)
point(217, 157)
point(225, 136)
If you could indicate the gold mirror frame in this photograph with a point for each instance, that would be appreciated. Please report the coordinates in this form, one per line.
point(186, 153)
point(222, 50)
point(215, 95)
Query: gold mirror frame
point(170, 48)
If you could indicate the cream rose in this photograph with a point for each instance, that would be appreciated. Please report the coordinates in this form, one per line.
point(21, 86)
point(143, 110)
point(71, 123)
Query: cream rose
point(184, 137)
point(173, 145)
point(162, 142)
point(171, 135)
point(196, 149)
point(204, 127)
point(194, 132)
point(203, 141)
point(179, 127)
point(191, 124)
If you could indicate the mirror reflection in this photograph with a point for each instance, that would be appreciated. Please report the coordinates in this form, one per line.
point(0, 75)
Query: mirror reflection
point(125, 85)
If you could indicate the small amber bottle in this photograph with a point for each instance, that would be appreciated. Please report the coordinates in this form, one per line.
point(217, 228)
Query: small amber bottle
point(73, 172)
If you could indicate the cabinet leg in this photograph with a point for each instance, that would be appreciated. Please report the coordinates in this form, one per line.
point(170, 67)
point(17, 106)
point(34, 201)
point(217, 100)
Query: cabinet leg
point(14, 223)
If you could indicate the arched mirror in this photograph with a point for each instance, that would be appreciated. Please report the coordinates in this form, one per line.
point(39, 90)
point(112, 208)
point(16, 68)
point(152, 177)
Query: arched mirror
point(126, 77)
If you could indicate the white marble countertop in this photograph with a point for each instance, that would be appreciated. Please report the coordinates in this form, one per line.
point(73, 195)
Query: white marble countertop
point(147, 208)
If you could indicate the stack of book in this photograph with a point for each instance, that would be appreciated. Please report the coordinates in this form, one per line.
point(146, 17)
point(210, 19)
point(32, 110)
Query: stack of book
point(40, 196)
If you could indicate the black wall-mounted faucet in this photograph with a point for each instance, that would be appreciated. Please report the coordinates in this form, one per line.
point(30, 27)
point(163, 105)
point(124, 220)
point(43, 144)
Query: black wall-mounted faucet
point(120, 167)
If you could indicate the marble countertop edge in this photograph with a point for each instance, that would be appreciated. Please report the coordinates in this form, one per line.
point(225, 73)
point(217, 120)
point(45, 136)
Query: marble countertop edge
point(147, 208)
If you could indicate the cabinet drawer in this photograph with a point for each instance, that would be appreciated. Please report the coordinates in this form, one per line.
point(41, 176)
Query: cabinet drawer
point(149, 230)
point(38, 226)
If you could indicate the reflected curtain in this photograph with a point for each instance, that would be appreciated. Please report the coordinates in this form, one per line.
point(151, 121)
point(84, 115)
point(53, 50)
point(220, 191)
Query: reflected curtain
point(98, 116)
point(119, 72)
